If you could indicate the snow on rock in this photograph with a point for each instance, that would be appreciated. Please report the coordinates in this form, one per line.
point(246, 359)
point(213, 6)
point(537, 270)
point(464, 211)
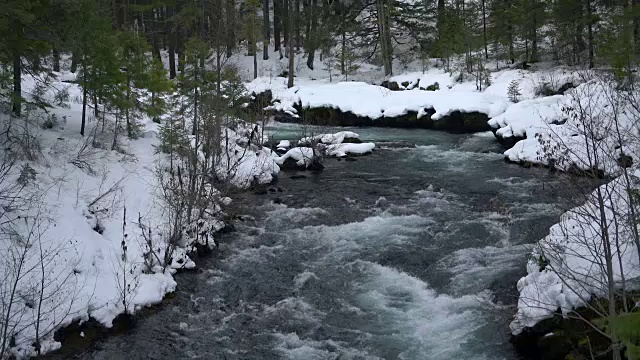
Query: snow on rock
point(303, 156)
point(563, 271)
point(532, 113)
point(341, 150)
point(336, 138)
point(422, 80)
point(247, 162)
point(283, 144)
point(374, 101)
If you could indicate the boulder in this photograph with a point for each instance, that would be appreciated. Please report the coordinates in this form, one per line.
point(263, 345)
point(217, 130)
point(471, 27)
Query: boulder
point(391, 85)
point(508, 142)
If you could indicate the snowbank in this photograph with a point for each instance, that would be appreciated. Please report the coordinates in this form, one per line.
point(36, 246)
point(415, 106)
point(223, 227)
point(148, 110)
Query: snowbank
point(563, 271)
point(375, 102)
point(589, 128)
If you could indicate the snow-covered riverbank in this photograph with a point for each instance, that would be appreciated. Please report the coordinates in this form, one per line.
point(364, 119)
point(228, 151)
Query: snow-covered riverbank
point(77, 240)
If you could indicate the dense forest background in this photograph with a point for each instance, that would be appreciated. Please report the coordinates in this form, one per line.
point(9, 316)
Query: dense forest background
point(103, 37)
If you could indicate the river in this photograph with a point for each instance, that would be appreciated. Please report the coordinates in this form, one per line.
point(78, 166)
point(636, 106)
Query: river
point(411, 252)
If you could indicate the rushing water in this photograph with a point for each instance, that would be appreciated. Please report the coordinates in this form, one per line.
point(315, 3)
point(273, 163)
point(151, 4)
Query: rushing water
point(408, 253)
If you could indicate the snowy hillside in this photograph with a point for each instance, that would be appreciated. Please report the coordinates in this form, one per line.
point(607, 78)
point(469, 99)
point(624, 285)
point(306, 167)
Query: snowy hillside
point(93, 221)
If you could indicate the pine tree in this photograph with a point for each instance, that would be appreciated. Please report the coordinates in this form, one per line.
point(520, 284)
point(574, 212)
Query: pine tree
point(513, 91)
point(92, 42)
point(22, 23)
point(134, 64)
point(157, 83)
point(251, 31)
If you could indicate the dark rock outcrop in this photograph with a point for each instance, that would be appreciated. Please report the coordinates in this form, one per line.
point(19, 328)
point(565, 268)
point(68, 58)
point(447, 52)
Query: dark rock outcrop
point(507, 142)
point(560, 338)
point(292, 165)
point(564, 88)
point(391, 85)
point(456, 122)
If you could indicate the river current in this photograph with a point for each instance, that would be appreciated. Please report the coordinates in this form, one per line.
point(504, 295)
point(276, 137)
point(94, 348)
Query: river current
point(411, 252)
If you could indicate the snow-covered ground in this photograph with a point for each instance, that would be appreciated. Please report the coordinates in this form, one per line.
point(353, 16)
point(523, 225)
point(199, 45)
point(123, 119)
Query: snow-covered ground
point(75, 225)
point(592, 127)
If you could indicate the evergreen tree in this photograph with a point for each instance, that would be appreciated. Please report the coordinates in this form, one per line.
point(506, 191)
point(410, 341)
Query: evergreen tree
point(157, 83)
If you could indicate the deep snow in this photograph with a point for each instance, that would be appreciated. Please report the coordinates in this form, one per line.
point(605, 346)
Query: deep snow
point(82, 234)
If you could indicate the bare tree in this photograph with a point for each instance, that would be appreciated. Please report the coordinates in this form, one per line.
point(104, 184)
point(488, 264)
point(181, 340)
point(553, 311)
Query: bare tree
point(590, 254)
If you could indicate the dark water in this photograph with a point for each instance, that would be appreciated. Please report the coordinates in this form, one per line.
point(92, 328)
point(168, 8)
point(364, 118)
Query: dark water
point(408, 253)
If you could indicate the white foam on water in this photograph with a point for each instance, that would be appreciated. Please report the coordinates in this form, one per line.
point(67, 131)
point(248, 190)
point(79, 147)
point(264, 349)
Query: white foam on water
point(282, 214)
point(474, 269)
point(302, 278)
point(457, 157)
point(291, 346)
point(373, 234)
point(295, 308)
point(429, 325)
point(485, 134)
point(253, 256)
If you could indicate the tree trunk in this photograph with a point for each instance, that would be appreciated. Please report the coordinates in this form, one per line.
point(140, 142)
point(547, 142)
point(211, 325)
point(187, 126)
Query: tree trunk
point(312, 37)
point(56, 60)
point(74, 62)
point(277, 8)
point(440, 26)
point(95, 104)
point(343, 48)
point(580, 45)
point(128, 97)
point(286, 21)
point(255, 63)
point(17, 81)
point(590, 33)
point(266, 27)
point(230, 10)
point(296, 15)
point(636, 24)
point(172, 57)
point(155, 29)
point(484, 30)
point(534, 32)
point(387, 33)
point(180, 49)
point(384, 35)
point(84, 98)
point(291, 48)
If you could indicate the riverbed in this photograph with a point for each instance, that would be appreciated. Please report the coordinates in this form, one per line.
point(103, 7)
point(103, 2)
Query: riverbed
point(411, 252)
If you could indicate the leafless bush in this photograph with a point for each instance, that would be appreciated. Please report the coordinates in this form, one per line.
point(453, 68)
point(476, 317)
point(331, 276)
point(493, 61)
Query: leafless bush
point(38, 290)
point(86, 153)
point(20, 139)
point(588, 248)
point(105, 203)
point(126, 271)
point(547, 84)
